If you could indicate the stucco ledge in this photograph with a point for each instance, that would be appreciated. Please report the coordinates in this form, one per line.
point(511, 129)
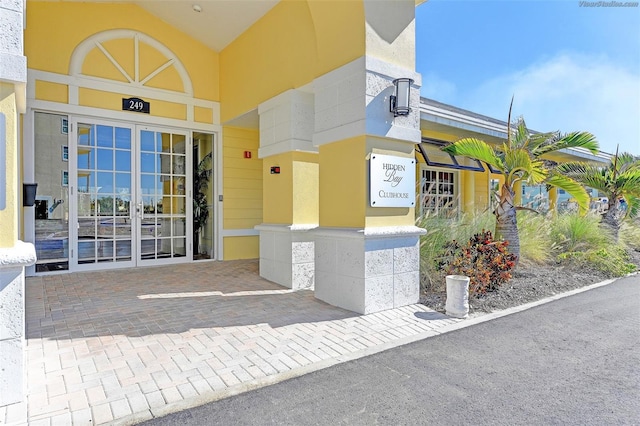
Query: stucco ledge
point(21, 255)
point(371, 232)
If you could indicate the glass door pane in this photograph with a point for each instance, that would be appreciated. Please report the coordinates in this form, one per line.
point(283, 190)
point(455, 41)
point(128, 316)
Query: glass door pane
point(203, 196)
point(162, 196)
point(51, 137)
point(103, 178)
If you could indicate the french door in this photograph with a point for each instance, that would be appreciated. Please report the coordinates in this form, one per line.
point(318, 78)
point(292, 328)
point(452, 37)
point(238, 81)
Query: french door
point(129, 203)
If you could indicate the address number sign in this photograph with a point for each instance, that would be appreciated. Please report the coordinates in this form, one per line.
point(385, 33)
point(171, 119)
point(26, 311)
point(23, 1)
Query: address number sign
point(135, 105)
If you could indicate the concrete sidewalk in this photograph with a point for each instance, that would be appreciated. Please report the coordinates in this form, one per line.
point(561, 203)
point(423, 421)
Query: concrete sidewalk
point(123, 346)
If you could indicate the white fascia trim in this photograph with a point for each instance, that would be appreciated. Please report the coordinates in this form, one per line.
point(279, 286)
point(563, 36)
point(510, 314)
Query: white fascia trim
point(370, 232)
point(585, 154)
point(240, 233)
point(464, 123)
point(121, 116)
point(296, 227)
point(76, 82)
point(434, 114)
point(19, 256)
point(287, 146)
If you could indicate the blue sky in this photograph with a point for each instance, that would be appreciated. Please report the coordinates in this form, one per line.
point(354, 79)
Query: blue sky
point(568, 67)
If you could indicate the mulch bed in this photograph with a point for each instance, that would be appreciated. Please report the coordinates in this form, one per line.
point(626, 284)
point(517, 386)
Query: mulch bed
point(528, 284)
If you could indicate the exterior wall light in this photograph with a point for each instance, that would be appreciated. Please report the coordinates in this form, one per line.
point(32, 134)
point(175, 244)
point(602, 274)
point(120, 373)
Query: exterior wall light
point(399, 104)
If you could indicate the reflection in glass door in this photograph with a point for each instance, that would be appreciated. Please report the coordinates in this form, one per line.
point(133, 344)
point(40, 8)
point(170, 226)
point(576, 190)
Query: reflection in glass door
point(129, 198)
point(103, 181)
point(162, 207)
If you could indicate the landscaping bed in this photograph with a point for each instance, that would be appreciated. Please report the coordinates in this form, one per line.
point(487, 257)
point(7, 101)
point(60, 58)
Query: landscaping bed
point(529, 283)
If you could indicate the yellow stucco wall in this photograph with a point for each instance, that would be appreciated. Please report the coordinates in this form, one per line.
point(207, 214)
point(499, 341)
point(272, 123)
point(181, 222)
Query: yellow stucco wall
point(242, 186)
point(241, 248)
point(291, 196)
point(9, 215)
point(343, 182)
point(277, 197)
point(49, 48)
point(53, 92)
point(292, 44)
point(306, 178)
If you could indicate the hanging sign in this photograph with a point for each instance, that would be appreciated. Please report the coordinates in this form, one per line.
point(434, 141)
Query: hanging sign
point(135, 105)
point(392, 181)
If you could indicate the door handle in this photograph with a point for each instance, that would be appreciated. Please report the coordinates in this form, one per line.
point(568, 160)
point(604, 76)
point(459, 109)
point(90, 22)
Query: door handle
point(140, 210)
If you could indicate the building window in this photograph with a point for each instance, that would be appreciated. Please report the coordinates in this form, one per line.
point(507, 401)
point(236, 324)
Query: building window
point(438, 192)
point(535, 197)
point(494, 193)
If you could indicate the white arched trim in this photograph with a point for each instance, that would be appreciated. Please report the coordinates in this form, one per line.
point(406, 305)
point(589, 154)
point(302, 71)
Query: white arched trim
point(96, 40)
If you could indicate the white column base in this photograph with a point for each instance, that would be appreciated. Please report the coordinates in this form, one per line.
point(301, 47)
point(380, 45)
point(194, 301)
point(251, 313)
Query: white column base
point(12, 320)
point(287, 255)
point(368, 270)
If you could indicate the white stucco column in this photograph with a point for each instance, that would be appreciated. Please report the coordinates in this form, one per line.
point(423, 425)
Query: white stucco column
point(12, 320)
point(367, 261)
point(14, 254)
point(290, 197)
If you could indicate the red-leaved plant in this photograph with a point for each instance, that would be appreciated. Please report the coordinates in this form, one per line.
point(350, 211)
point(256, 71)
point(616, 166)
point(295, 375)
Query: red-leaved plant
point(486, 262)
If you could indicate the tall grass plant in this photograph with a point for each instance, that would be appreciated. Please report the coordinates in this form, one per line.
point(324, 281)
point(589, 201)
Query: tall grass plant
point(572, 232)
point(536, 245)
point(552, 239)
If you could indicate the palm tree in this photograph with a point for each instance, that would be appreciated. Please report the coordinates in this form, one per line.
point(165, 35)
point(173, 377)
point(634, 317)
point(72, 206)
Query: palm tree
point(201, 177)
point(618, 181)
point(521, 159)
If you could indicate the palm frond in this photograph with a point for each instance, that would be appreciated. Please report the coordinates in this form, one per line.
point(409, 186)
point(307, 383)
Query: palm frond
point(539, 139)
point(538, 172)
point(570, 140)
point(518, 165)
point(627, 161)
point(633, 206)
point(592, 176)
point(521, 134)
point(629, 183)
point(476, 149)
point(572, 187)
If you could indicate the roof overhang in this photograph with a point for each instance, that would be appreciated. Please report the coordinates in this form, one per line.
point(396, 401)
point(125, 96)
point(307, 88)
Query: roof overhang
point(214, 23)
point(462, 123)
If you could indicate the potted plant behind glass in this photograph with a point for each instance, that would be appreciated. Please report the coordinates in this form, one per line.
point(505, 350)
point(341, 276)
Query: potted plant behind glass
point(201, 177)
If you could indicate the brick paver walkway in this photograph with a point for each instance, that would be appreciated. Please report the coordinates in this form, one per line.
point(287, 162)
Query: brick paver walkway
point(122, 346)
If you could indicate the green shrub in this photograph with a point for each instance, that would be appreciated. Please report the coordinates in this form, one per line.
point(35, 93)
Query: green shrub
point(486, 262)
point(612, 260)
point(630, 234)
point(572, 232)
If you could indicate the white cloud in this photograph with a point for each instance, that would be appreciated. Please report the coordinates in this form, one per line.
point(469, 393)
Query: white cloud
point(568, 92)
point(436, 87)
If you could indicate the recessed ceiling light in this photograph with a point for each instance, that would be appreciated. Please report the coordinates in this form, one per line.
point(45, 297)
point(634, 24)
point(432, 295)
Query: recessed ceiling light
point(197, 8)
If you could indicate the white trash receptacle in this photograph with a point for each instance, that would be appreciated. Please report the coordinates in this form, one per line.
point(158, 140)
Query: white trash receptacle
point(457, 304)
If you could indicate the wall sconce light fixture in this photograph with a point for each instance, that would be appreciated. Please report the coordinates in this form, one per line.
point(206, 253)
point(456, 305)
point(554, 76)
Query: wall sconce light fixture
point(399, 104)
